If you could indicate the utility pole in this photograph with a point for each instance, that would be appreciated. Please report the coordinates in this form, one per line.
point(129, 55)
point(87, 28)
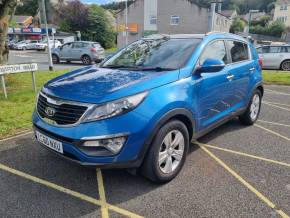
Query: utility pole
point(212, 13)
point(47, 36)
point(250, 18)
point(126, 18)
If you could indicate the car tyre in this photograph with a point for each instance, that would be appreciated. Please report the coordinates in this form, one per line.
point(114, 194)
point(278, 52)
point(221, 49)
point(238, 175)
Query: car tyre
point(55, 58)
point(167, 153)
point(285, 65)
point(86, 60)
point(251, 115)
point(24, 48)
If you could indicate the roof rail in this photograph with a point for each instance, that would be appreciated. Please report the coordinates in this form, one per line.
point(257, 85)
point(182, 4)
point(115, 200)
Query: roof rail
point(212, 32)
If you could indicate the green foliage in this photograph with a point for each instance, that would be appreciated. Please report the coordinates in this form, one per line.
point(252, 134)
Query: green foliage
point(275, 28)
point(238, 25)
point(13, 23)
point(92, 20)
point(116, 5)
point(29, 7)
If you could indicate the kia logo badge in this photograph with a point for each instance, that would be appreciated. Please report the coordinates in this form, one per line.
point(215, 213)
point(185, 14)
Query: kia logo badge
point(49, 111)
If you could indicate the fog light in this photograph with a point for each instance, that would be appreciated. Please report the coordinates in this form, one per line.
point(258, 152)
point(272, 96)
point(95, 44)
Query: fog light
point(113, 144)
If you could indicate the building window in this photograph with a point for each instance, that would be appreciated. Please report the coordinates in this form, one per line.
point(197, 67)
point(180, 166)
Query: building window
point(174, 20)
point(282, 19)
point(153, 19)
point(283, 8)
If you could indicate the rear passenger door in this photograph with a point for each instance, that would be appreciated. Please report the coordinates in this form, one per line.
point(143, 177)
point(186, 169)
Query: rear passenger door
point(241, 67)
point(77, 50)
point(270, 56)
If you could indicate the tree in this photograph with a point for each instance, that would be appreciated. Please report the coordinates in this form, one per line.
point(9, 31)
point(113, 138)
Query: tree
point(238, 25)
point(91, 20)
point(29, 7)
point(6, 7)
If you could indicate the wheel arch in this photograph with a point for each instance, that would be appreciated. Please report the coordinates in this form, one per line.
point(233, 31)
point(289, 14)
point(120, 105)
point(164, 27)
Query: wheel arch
point(181, 114)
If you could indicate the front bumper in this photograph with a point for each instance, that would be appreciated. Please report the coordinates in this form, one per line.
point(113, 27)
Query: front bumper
point(130, 155)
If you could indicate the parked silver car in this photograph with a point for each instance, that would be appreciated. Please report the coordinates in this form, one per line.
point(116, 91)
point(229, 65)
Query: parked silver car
point(25, 45)
point(81, 50)
point(275, 57)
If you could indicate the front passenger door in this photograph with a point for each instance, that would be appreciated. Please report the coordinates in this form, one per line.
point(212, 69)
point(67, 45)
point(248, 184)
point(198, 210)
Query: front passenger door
point(213, 90)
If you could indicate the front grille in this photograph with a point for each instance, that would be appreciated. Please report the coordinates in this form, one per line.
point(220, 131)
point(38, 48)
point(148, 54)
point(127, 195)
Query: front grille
point(60, 113)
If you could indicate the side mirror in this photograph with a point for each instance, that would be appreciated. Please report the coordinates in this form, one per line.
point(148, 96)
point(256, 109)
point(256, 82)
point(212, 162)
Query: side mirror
point(211, 66)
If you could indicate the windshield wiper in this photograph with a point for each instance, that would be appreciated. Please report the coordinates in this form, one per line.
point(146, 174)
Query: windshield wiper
point(119, 66)
point(157, 69)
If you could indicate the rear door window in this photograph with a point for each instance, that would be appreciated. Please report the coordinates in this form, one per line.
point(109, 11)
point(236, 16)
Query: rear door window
point(274, 49)
point(239, 51)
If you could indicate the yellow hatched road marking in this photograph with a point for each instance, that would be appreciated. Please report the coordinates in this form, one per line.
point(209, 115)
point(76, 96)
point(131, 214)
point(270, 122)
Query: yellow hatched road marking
point(272, 105)
point(272, 132)
point(276, 92)
point(245, 154)
point(287, 105)
point(274, 123)
point(104, 208)
point(68, 191)
point(245, 183)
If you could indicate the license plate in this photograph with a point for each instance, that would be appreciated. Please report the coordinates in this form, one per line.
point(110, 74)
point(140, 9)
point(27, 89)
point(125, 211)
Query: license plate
point(49, 142)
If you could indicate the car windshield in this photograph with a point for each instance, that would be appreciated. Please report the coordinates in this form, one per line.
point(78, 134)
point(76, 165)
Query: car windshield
point(154, 54)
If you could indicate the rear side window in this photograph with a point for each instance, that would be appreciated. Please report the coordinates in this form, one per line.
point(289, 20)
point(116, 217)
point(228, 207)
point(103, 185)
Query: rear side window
point(78, 45)
point(239, 51)
point(215, 50)
point(285, 49)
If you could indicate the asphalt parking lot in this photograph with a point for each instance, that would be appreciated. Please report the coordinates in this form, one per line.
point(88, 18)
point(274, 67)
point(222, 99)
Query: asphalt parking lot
point(39, 57)
point(234, 171)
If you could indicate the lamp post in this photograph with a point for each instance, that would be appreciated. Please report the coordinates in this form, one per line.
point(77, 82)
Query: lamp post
point(126, 20)
point(250, 17)
point(47, 36)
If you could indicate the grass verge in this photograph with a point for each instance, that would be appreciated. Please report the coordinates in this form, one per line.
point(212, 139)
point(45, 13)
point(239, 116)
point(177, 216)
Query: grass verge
point(16, 111)
point(276, 77)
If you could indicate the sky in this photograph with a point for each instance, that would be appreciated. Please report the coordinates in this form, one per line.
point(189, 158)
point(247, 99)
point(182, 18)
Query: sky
point(97, 1)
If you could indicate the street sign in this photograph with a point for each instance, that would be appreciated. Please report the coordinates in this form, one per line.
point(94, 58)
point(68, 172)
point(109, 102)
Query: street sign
point(19, 68)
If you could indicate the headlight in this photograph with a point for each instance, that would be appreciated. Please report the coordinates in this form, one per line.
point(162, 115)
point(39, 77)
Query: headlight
point(115, 108)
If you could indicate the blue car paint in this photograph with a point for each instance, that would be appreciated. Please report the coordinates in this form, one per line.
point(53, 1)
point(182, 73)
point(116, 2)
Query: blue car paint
point(207, 97)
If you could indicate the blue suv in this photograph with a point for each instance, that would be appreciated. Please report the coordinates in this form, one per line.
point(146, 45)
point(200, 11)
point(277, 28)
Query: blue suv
point(142, 106)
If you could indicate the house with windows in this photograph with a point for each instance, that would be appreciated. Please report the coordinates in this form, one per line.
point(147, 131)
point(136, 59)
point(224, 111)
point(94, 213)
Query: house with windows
point(282, 11)
point(146, 17)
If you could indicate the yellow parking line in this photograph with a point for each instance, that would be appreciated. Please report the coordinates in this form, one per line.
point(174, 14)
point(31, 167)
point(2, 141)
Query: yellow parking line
point(272, 132)
point(244, 154)
point(67, 191)
point(24, 133)
point(246, 184)
point(104, 208)
point(283, 108)
point(274, 123)
point(276, 92)
point(270, 102)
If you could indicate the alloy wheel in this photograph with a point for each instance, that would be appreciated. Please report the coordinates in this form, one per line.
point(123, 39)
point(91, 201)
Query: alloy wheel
point(255, 107)
point(86, 60)
point(171, 151)
point(286, 65)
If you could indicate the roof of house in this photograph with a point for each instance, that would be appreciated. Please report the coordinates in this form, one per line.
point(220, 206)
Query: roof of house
point(21, 19)
point(283, 2)
point(228, 13)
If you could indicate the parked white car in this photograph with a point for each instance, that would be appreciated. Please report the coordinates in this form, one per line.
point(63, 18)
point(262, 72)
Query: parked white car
point(41, 46)
point(26, 45)
point(276, 57)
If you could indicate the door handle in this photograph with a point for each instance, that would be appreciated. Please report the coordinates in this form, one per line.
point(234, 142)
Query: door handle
point(230, 77)
point(253, 69)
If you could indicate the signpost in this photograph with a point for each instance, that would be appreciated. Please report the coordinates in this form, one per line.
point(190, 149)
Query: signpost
point(19, 68)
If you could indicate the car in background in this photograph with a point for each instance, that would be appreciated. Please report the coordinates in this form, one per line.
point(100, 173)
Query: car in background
point(12, 43)
point(22, 45)
point(142, 107)
point(42, 46)
point(276, 57)
point(84, 51)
